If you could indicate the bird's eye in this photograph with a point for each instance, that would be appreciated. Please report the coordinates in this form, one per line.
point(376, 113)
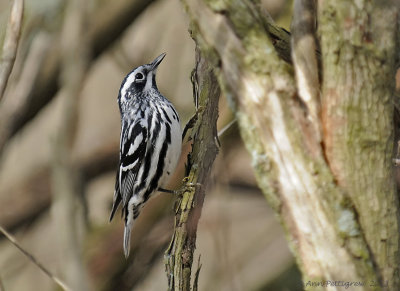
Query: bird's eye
point(139, 76)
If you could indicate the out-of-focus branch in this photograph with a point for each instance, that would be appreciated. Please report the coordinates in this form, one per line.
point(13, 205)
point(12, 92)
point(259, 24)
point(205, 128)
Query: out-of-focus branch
point(154, 233)
point(56, 280)
point(32, 196)
point(68, 207)
point(305, 59)
point(18, 94)
point(10, 46)
point(179, 256)
point(102, 32)
point(111, 21)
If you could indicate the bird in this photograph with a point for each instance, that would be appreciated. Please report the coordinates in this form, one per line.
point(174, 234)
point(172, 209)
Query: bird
point(150, 144)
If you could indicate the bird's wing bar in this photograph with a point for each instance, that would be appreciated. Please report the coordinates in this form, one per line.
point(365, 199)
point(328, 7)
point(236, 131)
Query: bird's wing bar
point(133, 150)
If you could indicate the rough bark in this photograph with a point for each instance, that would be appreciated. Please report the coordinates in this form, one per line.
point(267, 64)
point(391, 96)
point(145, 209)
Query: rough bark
point(357, 114)
point(179, 256)
point(323, 208)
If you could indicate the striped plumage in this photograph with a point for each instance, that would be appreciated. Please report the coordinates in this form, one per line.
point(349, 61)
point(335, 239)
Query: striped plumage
point(150, 143)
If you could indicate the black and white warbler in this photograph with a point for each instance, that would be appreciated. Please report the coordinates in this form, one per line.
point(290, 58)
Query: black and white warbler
point(150, 143)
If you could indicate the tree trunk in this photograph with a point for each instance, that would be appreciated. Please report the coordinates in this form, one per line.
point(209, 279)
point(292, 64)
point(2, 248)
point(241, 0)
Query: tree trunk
point(329, 178)
point(357, 116)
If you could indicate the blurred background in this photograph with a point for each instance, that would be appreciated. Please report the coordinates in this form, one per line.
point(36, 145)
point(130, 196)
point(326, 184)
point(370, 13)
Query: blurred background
point(59, 142)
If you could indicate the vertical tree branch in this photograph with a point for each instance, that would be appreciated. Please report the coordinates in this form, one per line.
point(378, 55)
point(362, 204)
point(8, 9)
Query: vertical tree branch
point(10, 45)
point(68, 208)
point(179, 256)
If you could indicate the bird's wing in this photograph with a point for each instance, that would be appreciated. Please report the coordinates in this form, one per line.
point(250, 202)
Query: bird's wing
point(133, 145)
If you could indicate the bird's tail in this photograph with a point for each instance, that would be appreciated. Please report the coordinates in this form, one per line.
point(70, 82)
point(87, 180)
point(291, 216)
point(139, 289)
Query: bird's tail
point(130, 217)
point(127, 239)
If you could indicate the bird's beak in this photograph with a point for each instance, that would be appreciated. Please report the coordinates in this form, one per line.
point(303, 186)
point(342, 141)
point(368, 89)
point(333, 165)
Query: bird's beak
point(157, 61)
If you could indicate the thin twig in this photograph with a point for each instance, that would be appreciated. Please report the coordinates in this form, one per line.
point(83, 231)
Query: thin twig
point(226, 127)
point(10, 46)
point(34, 260)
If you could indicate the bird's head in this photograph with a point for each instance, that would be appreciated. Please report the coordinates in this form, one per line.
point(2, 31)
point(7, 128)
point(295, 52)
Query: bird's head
point(141, 80)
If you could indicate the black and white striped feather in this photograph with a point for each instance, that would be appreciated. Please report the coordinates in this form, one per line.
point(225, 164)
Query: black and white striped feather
point(150, 143)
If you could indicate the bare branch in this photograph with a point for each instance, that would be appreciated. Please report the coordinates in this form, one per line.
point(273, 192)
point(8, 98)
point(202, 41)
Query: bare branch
point(226, 127)
point(10, 46)
point(56, 280)
point(179, 256)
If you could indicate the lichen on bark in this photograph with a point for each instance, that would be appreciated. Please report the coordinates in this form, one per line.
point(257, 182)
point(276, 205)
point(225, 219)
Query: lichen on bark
point(318, 189)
